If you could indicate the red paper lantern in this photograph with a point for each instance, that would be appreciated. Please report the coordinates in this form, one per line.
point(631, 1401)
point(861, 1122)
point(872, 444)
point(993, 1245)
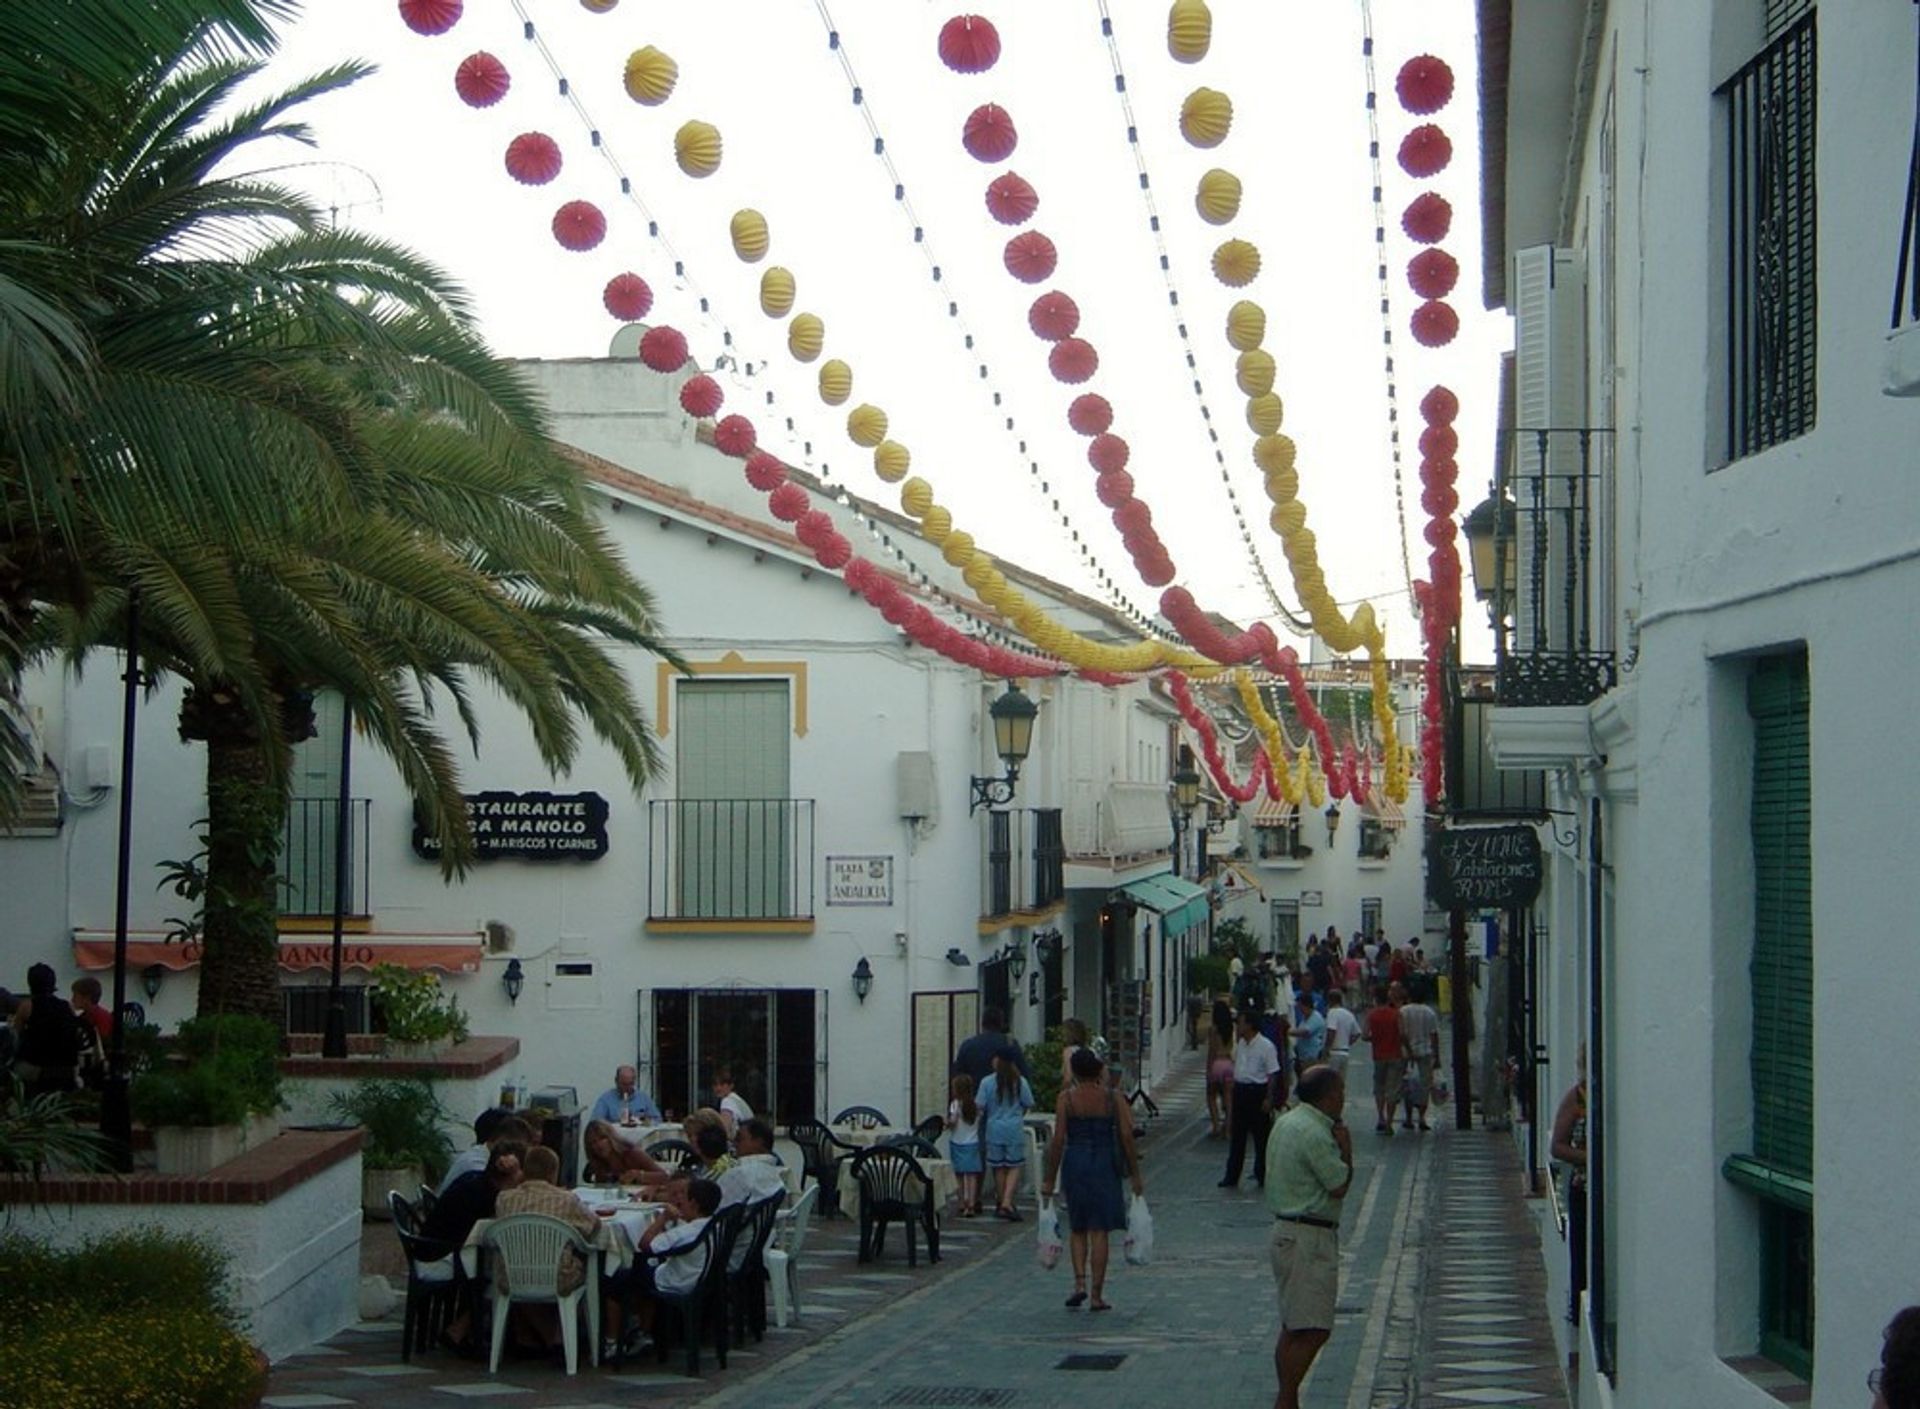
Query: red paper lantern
point(1115, 487)
point(813, 527)
point(481, 80)
point(734, 436)
point(1073, 360)
point(627, 297)
point(1157, 572)
point(1090, 413)
point(969, 44)
point(1439, 406)
point(533, 159)
point(1031, 257)
point(1441, 499)
point(1425, 84)
point(1108, 453)
point(833, 554)
point(1011, 200)
point(765, 472)
point(1427, 218)
point(431, 16)
point(579, 225)
point(1432, 273)
point(1439, 470)
point(1439, 442)
point(1053, 316)
point(1425, 151)
point(788, 502)
point(989, 135)
point(860, 574)
point(1440, 531)
point(664, 349)
point(1434, 323)
point(1134, 519)
point(701, 396)
point(898, 611)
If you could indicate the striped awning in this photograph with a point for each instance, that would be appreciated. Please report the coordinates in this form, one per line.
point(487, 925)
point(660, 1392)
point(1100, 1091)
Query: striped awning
point(449, 953)
point(1383, 809)
point(1272, 813)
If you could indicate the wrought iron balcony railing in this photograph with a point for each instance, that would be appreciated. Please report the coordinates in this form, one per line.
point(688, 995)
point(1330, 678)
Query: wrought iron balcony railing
point(308, 857)
point(730, 859)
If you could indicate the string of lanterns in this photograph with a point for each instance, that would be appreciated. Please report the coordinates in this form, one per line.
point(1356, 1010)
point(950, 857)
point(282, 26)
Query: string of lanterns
point(1259, 777)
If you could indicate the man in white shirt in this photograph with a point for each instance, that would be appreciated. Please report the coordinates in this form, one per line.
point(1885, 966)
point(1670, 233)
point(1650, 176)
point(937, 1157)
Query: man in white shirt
point(1420, 1034)
point(1342, 1028)
point(733, 1106)
point(755, 1172)
point(1259, 1085)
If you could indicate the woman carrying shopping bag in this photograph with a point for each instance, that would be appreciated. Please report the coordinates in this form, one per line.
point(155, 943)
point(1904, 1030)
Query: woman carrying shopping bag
point(1091, 1150)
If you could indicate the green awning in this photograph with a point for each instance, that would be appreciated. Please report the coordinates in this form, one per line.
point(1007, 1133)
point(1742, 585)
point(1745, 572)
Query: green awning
point(1180, 903)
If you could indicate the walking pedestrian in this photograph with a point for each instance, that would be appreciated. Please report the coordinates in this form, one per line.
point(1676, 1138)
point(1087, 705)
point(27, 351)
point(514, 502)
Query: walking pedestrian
point(1896, 1384)
point(1569, 1146)
point(1389, 1055)
point(1309, 1035)
point(1420, 1032)
point(1259, 1088)
point(1091, 1149)
point(1342, 1028)
point(1311, 1156)
point(975, 1055)
point(1005, 1100)
point(963, 1144)
point(1219, 1068)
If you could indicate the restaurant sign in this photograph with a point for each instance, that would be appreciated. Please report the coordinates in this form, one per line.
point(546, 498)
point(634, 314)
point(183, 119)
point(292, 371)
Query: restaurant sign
point(1485, 868)
point(860, 880)
point(531, 826)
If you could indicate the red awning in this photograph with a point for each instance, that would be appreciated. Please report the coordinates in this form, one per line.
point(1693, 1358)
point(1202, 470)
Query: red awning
point(450, 953)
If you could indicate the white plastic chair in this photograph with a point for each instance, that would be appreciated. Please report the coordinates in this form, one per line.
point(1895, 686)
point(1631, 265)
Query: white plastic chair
point(530, 1247)
point(782, 1256)
point(1035, 1170)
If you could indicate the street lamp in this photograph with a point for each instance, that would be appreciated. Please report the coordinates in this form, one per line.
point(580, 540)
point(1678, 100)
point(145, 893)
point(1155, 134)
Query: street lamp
point(513, 980)
point(1017, 959)
point(1489, 531)
point(1333, 820)
point(151, 978)
point(862, 979)
point(1013, 715)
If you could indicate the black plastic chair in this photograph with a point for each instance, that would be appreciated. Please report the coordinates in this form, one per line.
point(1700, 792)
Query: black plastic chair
point(914, 1145)
point(862, 1118)
point(821, 1154)
point(674, 1154)
point(747, 1273)
point(427, 1200)
point(705, 1303)
point(894, 1189)
point(931, 1129)
point(430, 1300)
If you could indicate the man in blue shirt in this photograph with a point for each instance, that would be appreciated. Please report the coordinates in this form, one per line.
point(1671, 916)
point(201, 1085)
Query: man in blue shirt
point(625, 1103)
point(1309, 1033)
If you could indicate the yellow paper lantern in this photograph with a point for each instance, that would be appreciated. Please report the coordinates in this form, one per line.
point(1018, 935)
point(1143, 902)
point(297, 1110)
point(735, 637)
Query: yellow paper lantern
point(1254, 371)
point(651, 76)
point(1246, 325)
point(1218, 196)
point(916, 496)
point(1283, 485)
point(890, 461)
point(1236, 263)
point(599, 7)
point(1274, 454)
point(1264, 413)
point(1189, 30)
point(836, 381)
point(776, 292)
point(936, 524)
point(958, 548)
point(976, 570)
point(1289, 518)
point(1206, 117)
point(696, 147)
point(866, 426)
point(748, 229)
point(806, 335)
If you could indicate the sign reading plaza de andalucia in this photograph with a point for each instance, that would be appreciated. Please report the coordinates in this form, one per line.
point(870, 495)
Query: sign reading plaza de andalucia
point(532, 826)
point(1485, 868)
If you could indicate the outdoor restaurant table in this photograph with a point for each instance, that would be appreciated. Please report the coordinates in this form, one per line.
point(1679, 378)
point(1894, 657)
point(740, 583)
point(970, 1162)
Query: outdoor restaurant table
point(879, 1135)
point(645, 1132)
point(946, 1184)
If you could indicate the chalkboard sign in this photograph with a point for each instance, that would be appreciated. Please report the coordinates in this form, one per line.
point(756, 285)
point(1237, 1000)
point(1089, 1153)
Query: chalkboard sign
point(531, 826)
point(1485, 868)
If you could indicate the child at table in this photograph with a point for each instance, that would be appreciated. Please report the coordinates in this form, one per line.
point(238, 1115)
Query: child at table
point(963, 1142)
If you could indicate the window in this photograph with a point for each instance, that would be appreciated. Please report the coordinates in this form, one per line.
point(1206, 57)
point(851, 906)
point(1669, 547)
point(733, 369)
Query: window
point(769, 1038)
point(1372, 909)
point(1280, 842)
point(1286, 929)
point(1376, 839)
point(306, 1008)
point(734, 842)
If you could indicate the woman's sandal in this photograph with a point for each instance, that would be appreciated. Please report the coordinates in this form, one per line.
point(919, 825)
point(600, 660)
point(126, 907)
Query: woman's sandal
point(1099, 1304)
point(1079, 1296)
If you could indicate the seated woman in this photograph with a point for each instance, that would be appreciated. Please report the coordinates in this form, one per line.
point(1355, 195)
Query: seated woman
point(611, 1160)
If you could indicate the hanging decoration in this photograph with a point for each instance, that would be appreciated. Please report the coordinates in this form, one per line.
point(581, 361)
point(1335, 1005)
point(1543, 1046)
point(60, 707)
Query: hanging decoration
point(748, 231)
point(1236, 263)
point(579, 226)
point(1434, 323)
point(1265, 413)
point(776, 292)
point(806, 335)
point(866, 426)
point(1217, 197)
point(1206, 117)
point(1424, 84)
point(1432, 273)
point(1073, 360)
point(1427, 218)
point(701, 396)
point(735, 436)
point(1246, 326)
point(969, 44)
point(1189, 30)
point(1425, 151)
point(598, 7)
point(891, 461)
point(533, 159)
point(1254, 371)
point(989, 135)
point(696, 149)
point(481, 80)
point(1259, 777)
point(836, 381)
point(1030, 257)
point(1108, 454)
point(650, 76)
point(430, 17)
point(1011, 200)
point(663, 349)
point(1090, 413)
point(1053, 316)
point(627, 297)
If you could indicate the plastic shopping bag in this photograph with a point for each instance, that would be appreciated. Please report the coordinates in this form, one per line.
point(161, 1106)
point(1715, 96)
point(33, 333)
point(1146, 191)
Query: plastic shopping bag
point(1139, 1242)
point(1415, 1085)
point(1049, 1235)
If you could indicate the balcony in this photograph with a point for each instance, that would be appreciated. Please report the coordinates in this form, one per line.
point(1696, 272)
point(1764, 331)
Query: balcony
point(309, 855)
point(1026, 862)
point(713, 862)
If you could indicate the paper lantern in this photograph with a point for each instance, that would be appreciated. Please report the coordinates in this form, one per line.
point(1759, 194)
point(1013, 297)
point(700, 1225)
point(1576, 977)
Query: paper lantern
point(1246, 325)
point(734, 436)
point(1206, 117)
point(836, 381)
point(627, 297)
point(1432, 273)
point(1108, 453)
point(1282, 486)
point(1288, 519)
point(1439, 406)
point(701, 396)
point(598, 7)
point(776, 292)
point(1011, 200)
point(579, 225)
point(1440, 532)
point(1114, 488)
point(989, 135)
point(1439, 499)
point(969, 44)
point(1090, 413)
point(806, 335)
point(835, 553)
point(430, 16)
point(1157, 572)
point(958, 548)
point(650, 76)
point(1189, 30)
point(1073, 361)
point(1264, 414)
point(696, 148)
point(1425, 84)
point(1133, 519)
point(812, 527)
point(481, 80)
point(788, 502)
point(748, 230)
point(1439, 442)
point(936, 524)
point(1236, 263)
point(765, 472)
point(916, 497)
point(1434, 323)
point(1218, 196)
point(1273, 453)
point(866, 426)
point(1254, 372)
point(1427, 218)
point(890, 461)
point(1053, 316)
point(664, 349)
point(1031, 257)
point(533, 159)
point(1425, 151)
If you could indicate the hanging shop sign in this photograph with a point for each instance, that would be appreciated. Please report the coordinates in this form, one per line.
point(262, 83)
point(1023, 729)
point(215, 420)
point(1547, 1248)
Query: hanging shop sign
point(531, 826)
point(860, 880)
point(1485, 868)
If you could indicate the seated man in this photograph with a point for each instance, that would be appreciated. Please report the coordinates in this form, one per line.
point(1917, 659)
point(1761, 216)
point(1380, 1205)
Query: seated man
point(715, 1158)
point(626, 1103)
point(691, 1204)
point(486, 1127)
point(539, 1325)
point(755, 1172)
point(471, 1198)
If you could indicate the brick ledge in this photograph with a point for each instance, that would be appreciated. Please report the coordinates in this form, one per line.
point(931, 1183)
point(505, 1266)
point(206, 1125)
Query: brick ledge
point(474, 1058)
point(259, 1176)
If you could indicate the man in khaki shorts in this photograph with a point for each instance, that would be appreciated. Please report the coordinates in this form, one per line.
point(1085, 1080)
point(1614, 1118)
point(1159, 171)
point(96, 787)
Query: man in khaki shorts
point(1309, 1169)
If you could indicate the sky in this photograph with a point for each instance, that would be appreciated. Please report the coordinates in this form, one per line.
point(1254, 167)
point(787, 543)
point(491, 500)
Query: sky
point(401, 156)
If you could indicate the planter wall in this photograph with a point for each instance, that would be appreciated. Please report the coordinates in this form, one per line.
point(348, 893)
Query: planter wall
point(195, 1149)
point(376, 1184)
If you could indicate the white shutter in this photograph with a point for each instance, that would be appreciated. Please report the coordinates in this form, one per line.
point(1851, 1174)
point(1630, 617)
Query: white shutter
point(1549, 386)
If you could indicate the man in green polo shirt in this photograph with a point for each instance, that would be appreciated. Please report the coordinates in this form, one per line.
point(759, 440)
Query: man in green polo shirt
point(1309, 1169)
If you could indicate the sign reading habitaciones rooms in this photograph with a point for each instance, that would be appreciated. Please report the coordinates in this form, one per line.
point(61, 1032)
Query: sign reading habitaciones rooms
point(859, 880)
point(1485, 868)
point(532, 826)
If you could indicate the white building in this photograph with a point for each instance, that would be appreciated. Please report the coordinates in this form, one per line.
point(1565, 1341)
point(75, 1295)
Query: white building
point(1695, 212)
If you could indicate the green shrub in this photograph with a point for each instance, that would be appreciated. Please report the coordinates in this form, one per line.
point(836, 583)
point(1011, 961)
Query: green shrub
point(43, 1133)
point(1209, 973)
point(127, 1269)
point(414, 1006)
point(404, 1120)
point(224, 1069)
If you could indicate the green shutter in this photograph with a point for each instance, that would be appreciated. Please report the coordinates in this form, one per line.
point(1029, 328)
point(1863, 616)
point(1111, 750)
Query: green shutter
point(734, 833)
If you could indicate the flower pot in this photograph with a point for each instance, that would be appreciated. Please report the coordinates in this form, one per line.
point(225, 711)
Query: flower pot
point(376, 1184)
point(195, 1149)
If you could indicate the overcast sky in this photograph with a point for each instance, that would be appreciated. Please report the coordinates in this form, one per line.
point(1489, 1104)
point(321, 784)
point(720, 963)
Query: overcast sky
point(401, 155)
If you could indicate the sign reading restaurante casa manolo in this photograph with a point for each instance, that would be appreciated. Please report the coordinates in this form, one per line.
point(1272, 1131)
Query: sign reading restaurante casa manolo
point(532, 826)
point(1485, 868)
point(859, 880)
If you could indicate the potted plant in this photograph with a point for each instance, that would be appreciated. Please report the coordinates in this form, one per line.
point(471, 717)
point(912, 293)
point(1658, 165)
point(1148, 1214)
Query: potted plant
point(406, 1142)
point(422, 1020)
point(216, 1096)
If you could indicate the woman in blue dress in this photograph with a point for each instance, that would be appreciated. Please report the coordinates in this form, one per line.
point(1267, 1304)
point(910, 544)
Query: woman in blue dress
point(1005, 1098)
point(1092, 1147)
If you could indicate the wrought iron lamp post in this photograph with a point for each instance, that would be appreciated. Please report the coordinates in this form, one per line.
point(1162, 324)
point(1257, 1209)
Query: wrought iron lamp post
point(1012, 715)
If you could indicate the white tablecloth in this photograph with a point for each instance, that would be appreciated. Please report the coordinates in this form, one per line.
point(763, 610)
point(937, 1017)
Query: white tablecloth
point(879, 1135)
point(644, 1133)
